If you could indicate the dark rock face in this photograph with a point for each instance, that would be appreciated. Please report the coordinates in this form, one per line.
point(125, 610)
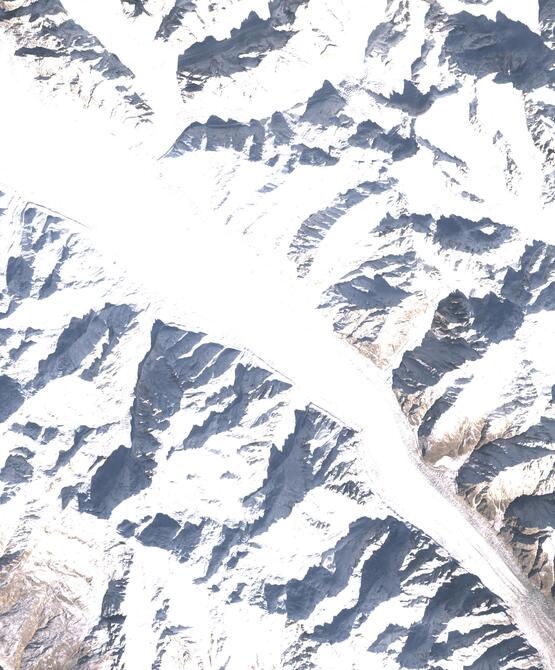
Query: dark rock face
point(534, 446)
point(384, 577)
point(367, 294)
point(173, 20)
point(159, 532)
point(376, 586)
point(52, 282)
point(301, 596)
point(229, 56)
point(178, 361)
point(292, 472)
point(255, 139)
point(16, 470)
point(402, 278)
point(460, 593)
point(533, 511)
point(244, 49)
point(395, 144)
point(364, 293)
point(30, 429)
point(284, 12)
point(477, 237)
point(127, 528)
point(69, 37)
point(80, 338)
point(493, 458)
point(370, 135)
point(503, 457)
point(250, 384)
point(171, 367)
point(217, 133)
point(411, 100)
point(365, 133)
point(315, 156)
point(535, 273)
point(19, 277)
point(436, 411)
point(276, 139)
point(120, 476)
point(282, 133)
point(528, 526)
point(165, 533)
point(508, 48)
point(460, 331)
point(11, 396)
point(323, 106)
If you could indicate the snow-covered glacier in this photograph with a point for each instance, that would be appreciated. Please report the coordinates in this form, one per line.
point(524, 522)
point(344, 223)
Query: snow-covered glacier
point(276, 326)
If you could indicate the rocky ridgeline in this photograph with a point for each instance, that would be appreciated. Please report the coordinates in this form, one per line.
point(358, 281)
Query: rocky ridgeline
point(147, 466)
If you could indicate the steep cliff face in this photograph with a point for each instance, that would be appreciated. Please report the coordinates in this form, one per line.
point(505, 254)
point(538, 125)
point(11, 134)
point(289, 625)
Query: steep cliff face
point(379, 171)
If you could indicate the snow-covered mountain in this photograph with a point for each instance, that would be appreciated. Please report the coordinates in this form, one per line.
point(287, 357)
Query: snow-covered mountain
point(276, 384)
